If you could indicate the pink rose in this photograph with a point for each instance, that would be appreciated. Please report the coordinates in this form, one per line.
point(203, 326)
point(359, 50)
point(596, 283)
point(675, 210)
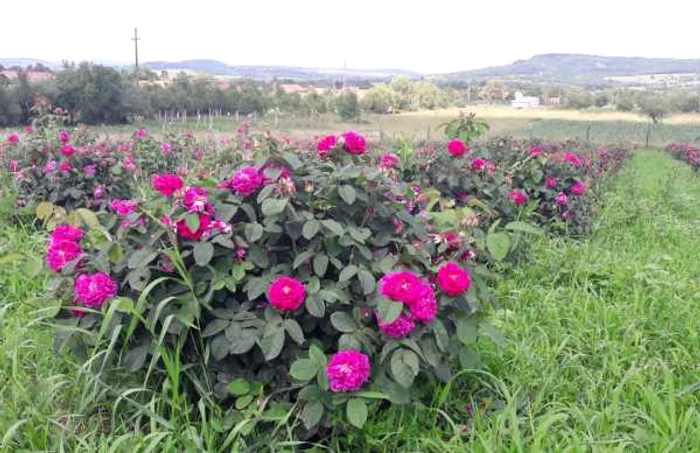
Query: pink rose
point(123, 207)
point(60, 253)
point(65, 167)
point(187, 234)
point(535, 152)
point(399, 328)
point(388, 161)
point(63, 137)
point(167, 185)
point(196, 200)
point(578, 188)
point(89, 170)
point(517, 197)
point(92, 291)
point(286, 294)
point(13, 166)
point(354, 143)
point(453, 280)
point(551, 182)
point(425, 307)
point(561, 199)
point(348, 371)
point(246, 181)
point(457, 148)
point(326, 145)
point(400, 287)
point(478, 164)
point(572, 159)
point(165, 149)
point(67, 150)
point(141, 134)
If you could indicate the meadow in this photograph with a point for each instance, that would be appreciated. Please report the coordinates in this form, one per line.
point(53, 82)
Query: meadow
point(586, 337)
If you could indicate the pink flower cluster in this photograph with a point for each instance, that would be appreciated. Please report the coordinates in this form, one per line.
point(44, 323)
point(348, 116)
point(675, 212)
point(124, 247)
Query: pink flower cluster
point(572, 159)
point(246, 181)
point(124, 208)
point(578, 188)
point(551, 182)
point(67, 150)
point(64, 247)
point(453, 280)
point(535, 152)
point(478, 164)
point(63, 137)
point(196, 199)
point(167, 185)
point(12, 139)
point(348, 371)
point(387, 161)
point(286, 294)
point(326, 145)
point(417, 296)
point(517, 197)
point(354, 143)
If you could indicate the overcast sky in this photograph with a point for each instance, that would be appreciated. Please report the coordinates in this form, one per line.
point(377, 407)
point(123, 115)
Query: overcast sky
point(427, 36)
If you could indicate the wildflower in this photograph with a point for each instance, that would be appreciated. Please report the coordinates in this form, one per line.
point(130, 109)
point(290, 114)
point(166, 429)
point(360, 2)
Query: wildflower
point(286, 294)
point(457, 148)
point(453, 280)
point(348, 371)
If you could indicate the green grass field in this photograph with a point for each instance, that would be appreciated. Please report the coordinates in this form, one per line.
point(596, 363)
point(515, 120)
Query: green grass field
point(601, 352)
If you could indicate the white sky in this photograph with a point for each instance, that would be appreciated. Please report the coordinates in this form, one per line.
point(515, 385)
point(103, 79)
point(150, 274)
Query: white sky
point(427, 36)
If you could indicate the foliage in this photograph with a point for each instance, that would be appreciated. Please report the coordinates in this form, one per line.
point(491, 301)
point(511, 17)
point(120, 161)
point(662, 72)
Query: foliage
point(347, 106)
point(465, 127)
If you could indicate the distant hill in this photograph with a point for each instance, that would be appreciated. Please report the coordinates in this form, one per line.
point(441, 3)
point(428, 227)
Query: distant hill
point(24, 62)
point(574, 68)
point(214, 67)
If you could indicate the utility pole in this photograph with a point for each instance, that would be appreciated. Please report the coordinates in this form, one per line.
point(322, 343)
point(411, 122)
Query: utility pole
point(344, 69)
point(136, 54)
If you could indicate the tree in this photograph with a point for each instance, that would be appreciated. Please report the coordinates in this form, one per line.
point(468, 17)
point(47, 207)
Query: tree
point(655, 107)
point(93, 94)
point(493, 91)
point(348, 106)
point(624, 104)
point(601, 100)
point(579, 99)
point(381, 98)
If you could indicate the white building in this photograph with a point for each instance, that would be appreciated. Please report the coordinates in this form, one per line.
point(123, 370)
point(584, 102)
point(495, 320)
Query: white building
point(525, 102)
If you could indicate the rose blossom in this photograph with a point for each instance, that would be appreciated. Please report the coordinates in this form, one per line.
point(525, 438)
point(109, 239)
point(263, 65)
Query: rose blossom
point(354, 143)
point(89, 170)
point(167, 185)
point(50, 167)
point(196, 199)
point(286, 294)
point(325, 146)
point(246, 181)
point(425, 307)
point(141, 134)
point(62, 252)
point(92, 291)
point(123, 207)
point(13, 166)
point(348, 371)
point(99, 193)
point(67, 150)
point(66, 233)
point(578, 188)
point(457, 148)
point(187, 234)
point(572, 159)
point(561, 199)
point(65, 167)
point(551, 182)
point(478, 164)
point(535, 152)
point(165, 149)
point(399, 328)
point(400, 286)
point(517, 197)
point(13, 139)
point(453, 280)
point(388, 161)
point(63, 137)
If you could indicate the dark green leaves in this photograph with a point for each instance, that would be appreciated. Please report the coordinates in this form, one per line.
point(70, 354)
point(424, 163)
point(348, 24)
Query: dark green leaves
point(367, 281)
point(498, 245)
point(203, 253)
point(347, 273)
point(404, 367)
point(356, 411)
point(273, 206)
point(333, 226)
point(253, 232)
point(389, 310)
point(142, 258)
point(303, 370)
point(347, 193)
point(310, 228)
point(343, 322)
point(320, 265)
point(467, 330)
point(311, 414)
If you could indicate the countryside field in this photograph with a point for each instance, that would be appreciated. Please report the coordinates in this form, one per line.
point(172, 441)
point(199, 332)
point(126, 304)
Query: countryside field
point(557, 289)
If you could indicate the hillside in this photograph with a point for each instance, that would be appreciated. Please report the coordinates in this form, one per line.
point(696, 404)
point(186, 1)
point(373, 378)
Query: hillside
point(574, 68)
point(257, 72)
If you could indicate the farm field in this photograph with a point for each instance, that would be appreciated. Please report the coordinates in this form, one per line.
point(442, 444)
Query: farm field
point(601, 126)
point(599, 352)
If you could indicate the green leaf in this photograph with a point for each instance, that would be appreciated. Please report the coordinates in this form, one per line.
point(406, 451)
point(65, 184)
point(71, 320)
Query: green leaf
point(273, 206)
point(294, 330)
point(347, 273)
point(44, 210)
point(467, 330)
point(302, 258)
point(239, 387)
point(359, 234)
point(242, 342)
point(493, 333)
point(135, 358)
point(272, 344)
point(356, 411)
point(320, 265)
point(315, 306)
point(243, 402)
point(404, 367)
point(203, 253)
point(303, 370)
point(367, 281)
point(253, 231)
point(89, 218)
point(192, 222)
point(311, 414)
point(313, 285)
point(293, 160)
point(215, 326)
point(386, 265)
point(347, 193)
point(469, 359)
point(310, 228)
point(333, 226)
point(225, 212)
point(389, 310)
point(498, 245)
point(220, 347)
point(524, 227)
point(343, 322)
point(141, 258)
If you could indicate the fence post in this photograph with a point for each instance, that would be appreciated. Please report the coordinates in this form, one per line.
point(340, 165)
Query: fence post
point(648, 134)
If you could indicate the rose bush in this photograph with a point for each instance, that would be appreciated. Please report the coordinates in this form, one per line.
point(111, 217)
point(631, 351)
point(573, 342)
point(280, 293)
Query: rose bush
point(686, 153)
point(324, 285)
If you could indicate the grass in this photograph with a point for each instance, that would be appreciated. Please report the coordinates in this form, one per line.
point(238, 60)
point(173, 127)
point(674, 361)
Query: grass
point(602, 352)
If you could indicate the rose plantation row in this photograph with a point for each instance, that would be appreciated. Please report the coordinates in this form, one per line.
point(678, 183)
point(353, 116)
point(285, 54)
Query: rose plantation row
point(318, 278)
